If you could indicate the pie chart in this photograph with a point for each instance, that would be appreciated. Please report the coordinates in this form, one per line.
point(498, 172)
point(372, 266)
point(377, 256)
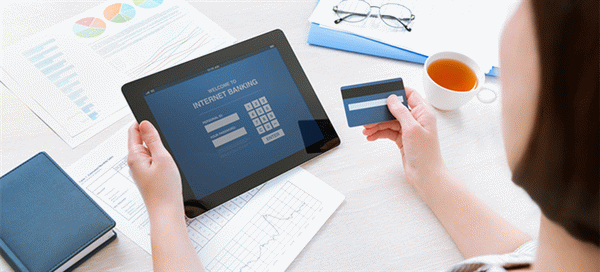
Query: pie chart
point(89, 27)
point(147, 3)
point(119, 13)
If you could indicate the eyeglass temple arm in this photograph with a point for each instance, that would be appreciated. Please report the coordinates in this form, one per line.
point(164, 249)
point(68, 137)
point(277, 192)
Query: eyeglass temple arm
point(412, 17)
point(335, 9)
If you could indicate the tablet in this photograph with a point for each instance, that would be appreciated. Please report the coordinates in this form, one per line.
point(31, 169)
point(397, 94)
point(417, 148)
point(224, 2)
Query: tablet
point(235, 118)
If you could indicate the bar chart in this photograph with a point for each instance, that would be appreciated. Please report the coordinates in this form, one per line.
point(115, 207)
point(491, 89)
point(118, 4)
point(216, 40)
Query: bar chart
point(51, 62)
point(71, 74)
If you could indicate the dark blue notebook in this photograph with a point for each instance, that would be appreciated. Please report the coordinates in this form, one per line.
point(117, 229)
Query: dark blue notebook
point(47, 222)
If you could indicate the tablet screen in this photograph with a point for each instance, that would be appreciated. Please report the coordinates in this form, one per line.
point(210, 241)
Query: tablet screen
point(233, 119)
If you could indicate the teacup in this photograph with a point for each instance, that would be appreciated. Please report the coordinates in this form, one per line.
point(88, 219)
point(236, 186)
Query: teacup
point(451, 79)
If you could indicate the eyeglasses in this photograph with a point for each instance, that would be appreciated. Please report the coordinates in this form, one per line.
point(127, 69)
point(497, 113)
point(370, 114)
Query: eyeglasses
point(392, 14)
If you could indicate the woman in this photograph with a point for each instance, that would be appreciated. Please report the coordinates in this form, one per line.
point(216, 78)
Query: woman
point(549, 60)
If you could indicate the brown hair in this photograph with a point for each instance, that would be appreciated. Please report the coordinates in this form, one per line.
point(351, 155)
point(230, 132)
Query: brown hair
point(560, 168)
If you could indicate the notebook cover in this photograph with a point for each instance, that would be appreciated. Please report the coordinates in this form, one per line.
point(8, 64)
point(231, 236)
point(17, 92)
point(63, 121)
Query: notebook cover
point(326, 37)
point(45, 217)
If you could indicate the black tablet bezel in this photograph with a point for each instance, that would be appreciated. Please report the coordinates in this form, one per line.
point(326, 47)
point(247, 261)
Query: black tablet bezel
point(135, 91)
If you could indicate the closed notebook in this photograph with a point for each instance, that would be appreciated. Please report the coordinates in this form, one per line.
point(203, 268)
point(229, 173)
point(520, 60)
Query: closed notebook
point(47, 222)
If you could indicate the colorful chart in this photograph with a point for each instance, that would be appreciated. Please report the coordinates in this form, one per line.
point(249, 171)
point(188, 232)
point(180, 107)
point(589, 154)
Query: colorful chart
point(147, 3)
point(119, 13)
point(89, 27)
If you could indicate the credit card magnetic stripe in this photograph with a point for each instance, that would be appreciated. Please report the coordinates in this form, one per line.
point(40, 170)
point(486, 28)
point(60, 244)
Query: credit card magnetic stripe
point(370, 88)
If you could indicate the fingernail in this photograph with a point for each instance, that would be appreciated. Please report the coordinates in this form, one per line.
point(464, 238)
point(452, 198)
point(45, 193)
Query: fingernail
point(145, 128)
point(394, 98)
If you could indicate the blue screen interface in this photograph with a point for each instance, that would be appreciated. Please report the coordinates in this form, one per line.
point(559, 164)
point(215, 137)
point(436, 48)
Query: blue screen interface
point(232, 120)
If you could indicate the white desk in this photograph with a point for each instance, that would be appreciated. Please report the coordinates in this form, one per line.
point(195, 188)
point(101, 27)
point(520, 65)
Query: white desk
point(383, 224)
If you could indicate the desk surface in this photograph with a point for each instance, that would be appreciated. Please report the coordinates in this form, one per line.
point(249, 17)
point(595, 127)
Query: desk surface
point(382, 224)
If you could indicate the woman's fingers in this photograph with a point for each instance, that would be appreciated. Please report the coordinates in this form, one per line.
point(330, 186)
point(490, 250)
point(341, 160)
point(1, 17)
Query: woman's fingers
point(137, 153)
point(384, 134)
point(382, 123)
point(151, 137)
point(370, 129)
point(401, 112)
point(413, 98)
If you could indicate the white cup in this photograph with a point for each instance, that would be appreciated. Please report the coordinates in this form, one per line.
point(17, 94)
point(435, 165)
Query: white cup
point(446, 99)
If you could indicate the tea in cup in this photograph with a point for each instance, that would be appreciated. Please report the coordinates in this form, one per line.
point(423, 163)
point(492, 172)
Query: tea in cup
point(452, 79)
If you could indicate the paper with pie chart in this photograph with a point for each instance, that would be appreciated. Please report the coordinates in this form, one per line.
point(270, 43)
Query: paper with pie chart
point(119, 13)
point(89, 27)
point(147, 3)
point(71, 74)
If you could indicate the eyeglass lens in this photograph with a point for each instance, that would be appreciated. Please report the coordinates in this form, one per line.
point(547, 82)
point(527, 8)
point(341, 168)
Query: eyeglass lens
point(392, 14)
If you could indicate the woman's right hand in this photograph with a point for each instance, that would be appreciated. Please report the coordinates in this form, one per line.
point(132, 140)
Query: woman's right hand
point(415, 133)
point(474, 227)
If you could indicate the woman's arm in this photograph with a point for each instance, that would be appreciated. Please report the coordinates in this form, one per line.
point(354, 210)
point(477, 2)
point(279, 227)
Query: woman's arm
point(474, 227)
point(158, 180)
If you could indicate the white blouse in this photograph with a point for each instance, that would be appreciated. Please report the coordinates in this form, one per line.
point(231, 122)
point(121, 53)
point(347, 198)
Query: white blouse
point(522, 257)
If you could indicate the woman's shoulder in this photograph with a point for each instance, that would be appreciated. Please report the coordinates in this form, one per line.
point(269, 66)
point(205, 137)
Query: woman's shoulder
point(522, 257)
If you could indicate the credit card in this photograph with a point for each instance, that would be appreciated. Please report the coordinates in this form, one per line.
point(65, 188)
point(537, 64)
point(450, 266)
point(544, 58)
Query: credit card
point(366, 103)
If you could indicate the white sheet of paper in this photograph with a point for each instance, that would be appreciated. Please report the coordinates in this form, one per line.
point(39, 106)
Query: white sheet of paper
point(263, 229)
point(71, 74)
point(466, 26)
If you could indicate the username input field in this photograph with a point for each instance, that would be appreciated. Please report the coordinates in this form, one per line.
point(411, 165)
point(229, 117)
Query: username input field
point(222, 122)
point(229, 137)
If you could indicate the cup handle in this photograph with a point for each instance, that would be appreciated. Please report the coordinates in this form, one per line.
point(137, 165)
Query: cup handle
point(489, 97)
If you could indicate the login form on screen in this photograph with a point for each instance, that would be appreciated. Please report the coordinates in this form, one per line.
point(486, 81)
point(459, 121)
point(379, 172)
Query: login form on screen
point(232, 120)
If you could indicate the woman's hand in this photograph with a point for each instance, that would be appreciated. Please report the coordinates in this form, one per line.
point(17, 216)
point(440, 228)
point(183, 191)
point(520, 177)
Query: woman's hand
point(415, 133)
point(159, 182)
point(153, 168)
point(474, 227)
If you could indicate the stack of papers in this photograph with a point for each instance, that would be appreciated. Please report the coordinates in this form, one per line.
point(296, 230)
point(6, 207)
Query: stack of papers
point(263, 229)
point(71, 74)
point(469, 27)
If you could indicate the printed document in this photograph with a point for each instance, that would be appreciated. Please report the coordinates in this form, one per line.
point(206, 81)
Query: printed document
point(263, 229)
point(71, 74)
point(465, 26)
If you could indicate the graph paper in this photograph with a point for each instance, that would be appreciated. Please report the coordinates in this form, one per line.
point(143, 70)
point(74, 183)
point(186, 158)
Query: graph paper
point(263, 229)
point(270, 231)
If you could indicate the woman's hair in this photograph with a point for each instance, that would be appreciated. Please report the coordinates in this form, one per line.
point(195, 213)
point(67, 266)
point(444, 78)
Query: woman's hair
point(560, 167)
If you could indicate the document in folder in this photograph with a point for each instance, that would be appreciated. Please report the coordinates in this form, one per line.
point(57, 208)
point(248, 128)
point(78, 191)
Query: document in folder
point(326, 37)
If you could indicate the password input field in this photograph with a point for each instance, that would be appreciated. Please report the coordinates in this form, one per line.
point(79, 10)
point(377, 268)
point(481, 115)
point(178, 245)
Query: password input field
point(222, 122)
point(229, 137)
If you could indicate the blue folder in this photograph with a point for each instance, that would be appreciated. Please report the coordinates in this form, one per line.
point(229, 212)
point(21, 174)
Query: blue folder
point(326, 37)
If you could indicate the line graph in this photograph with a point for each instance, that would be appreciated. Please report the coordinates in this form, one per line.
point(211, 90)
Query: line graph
point(268, 218)
point(173, 51)
point(257, 246)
